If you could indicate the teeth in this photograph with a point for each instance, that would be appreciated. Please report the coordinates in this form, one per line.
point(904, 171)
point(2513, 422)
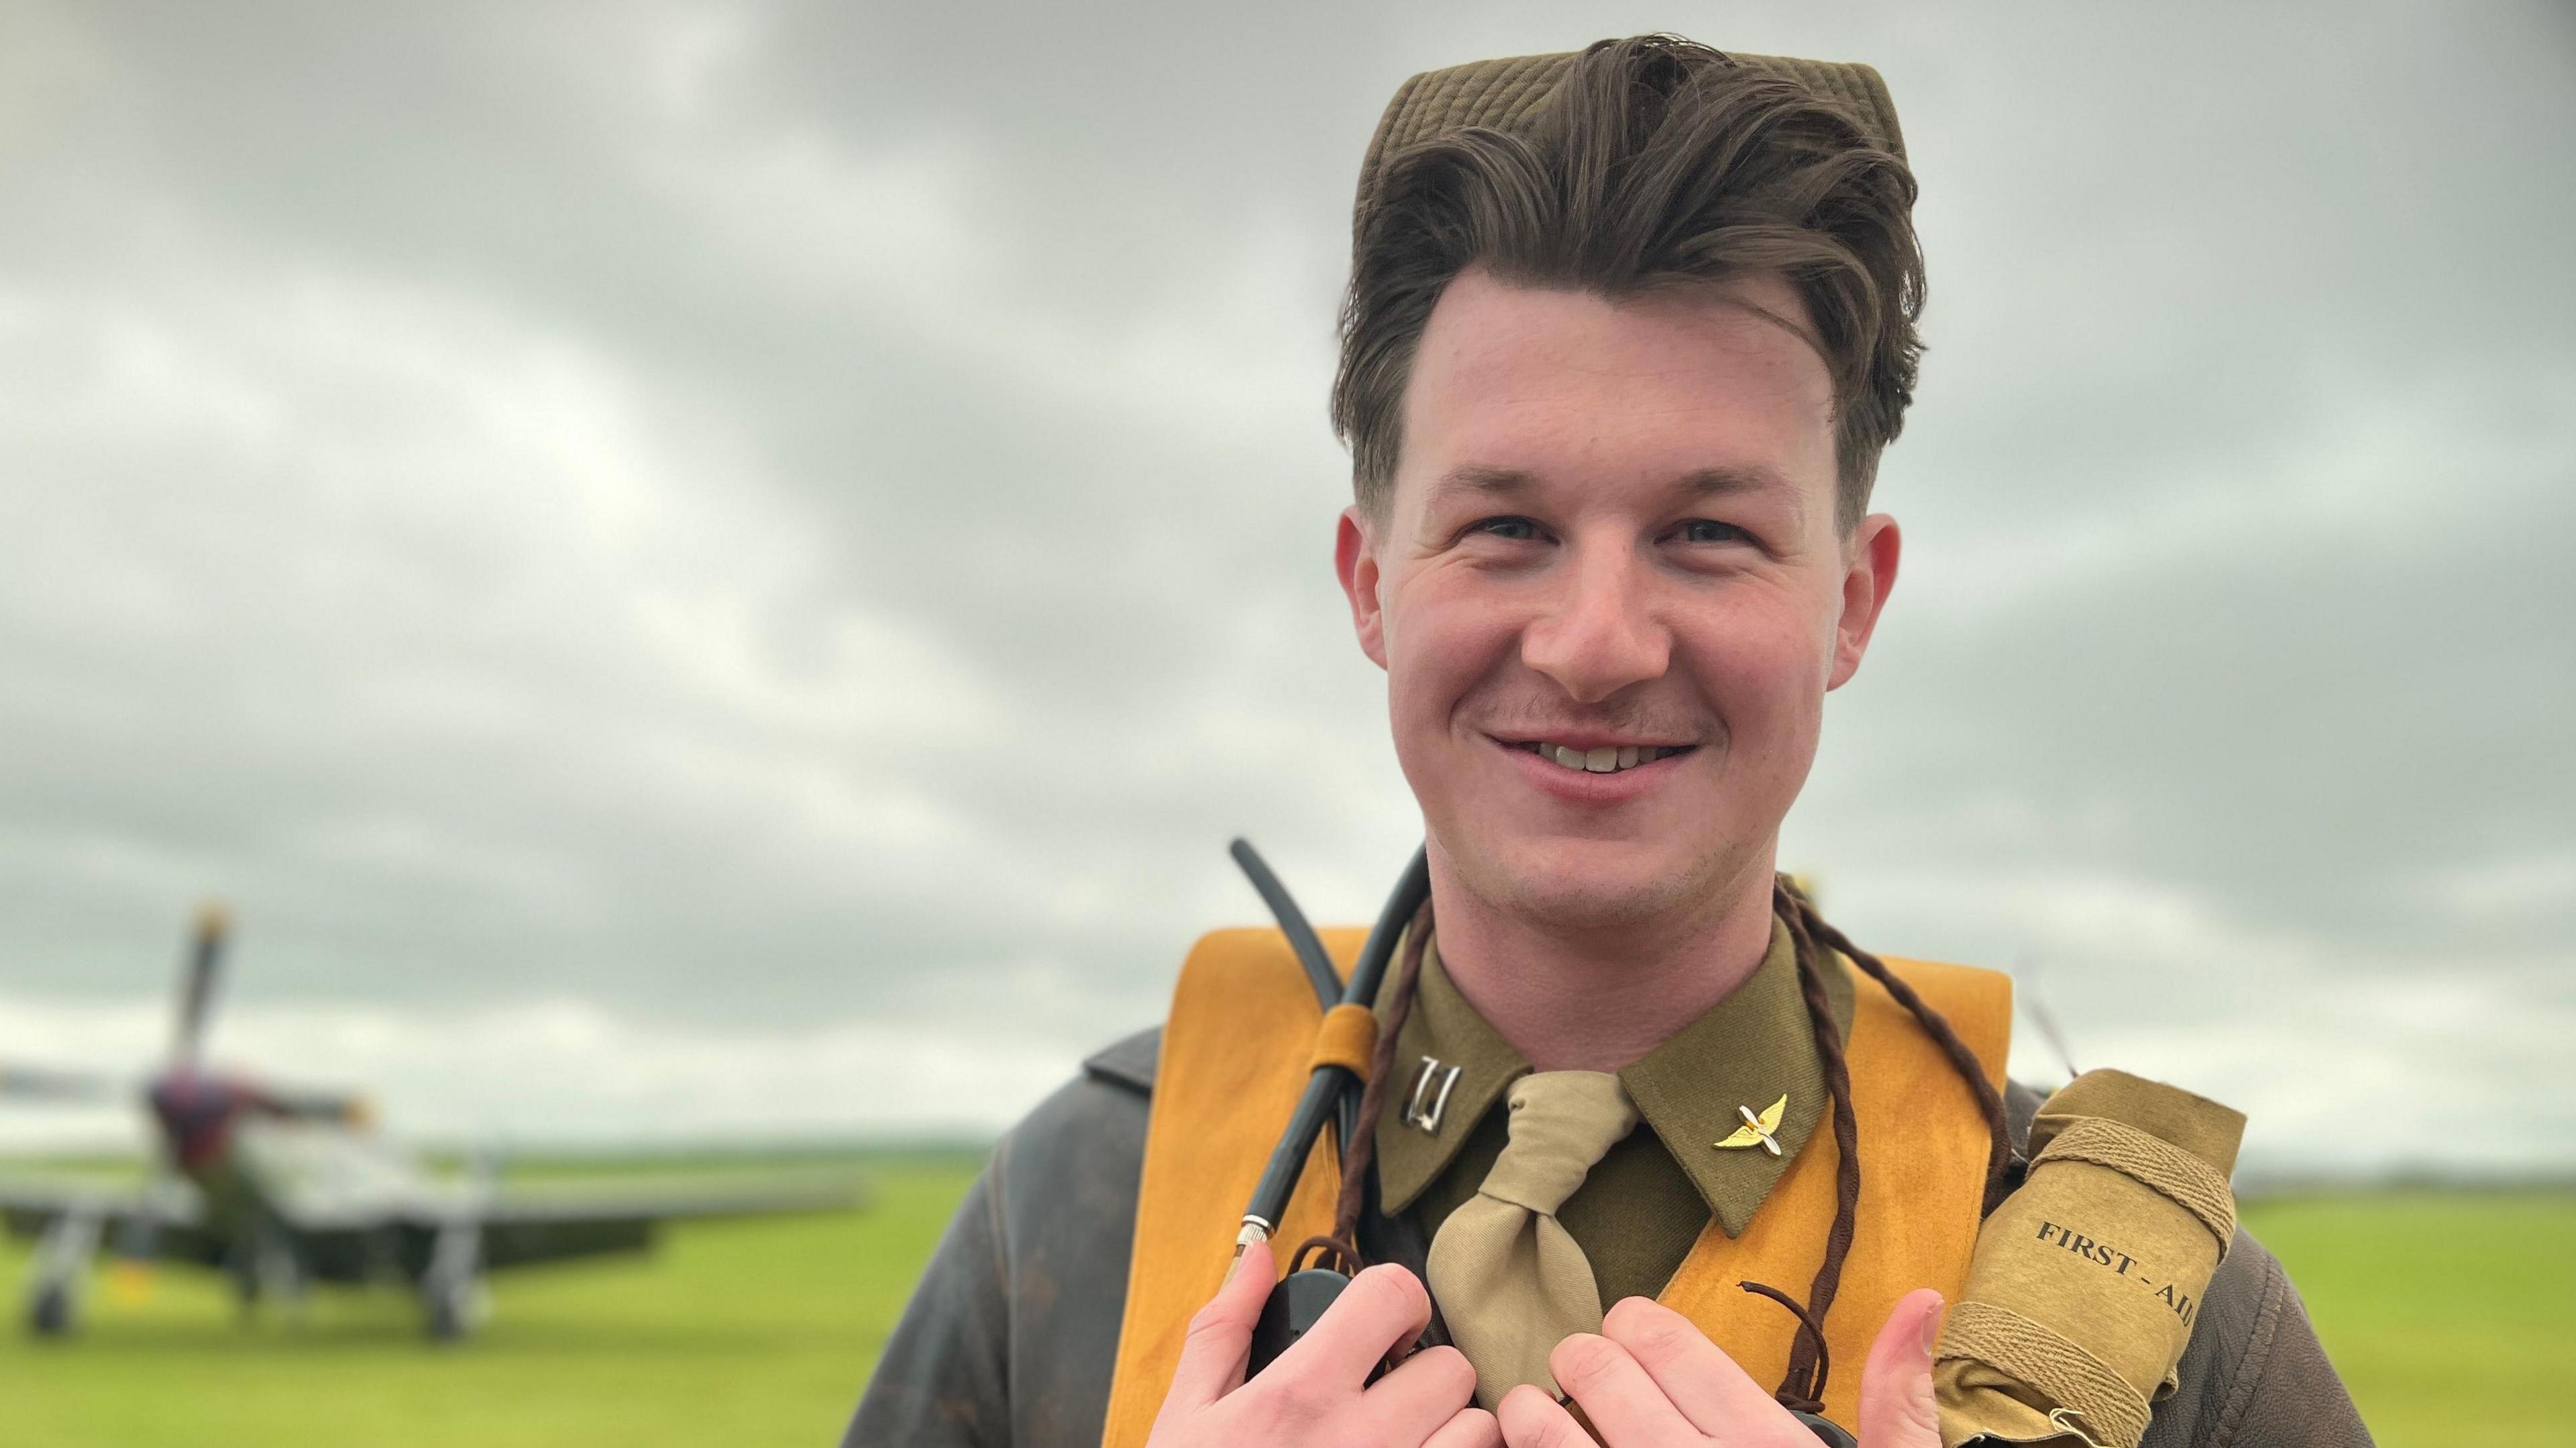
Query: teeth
point(1606, 760)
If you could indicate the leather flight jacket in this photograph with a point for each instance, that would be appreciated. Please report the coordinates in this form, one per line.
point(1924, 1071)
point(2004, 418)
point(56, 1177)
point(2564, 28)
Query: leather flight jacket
point(1012, 1336)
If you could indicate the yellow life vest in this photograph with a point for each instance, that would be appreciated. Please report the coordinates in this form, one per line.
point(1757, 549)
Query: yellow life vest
point(1235, 1056)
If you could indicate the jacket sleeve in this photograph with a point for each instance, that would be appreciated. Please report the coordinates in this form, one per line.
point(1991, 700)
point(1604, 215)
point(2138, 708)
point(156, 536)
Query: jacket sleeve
point(1011, 1338)
point(2255, 1375)
point(943, 1380)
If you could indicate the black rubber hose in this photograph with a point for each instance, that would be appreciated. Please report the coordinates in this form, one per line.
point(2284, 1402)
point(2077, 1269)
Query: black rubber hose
point(1410, 891)
point(1292, 923)
point(1332, 1087)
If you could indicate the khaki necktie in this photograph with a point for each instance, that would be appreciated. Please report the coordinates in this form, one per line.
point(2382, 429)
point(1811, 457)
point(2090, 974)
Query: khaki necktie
point(1511, 1282)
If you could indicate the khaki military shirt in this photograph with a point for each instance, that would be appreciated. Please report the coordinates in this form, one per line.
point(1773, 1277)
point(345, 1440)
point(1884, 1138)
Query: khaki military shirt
point(1638, 1212)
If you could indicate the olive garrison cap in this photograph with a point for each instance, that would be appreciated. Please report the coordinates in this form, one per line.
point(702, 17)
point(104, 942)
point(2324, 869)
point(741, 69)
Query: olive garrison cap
point(1504, 94)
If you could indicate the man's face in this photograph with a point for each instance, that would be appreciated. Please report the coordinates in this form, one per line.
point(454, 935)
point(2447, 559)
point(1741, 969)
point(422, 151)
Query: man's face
point(1609, 592)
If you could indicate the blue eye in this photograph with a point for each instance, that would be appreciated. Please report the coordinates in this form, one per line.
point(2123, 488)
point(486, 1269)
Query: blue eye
point(1708, 530)
point(1516, 529)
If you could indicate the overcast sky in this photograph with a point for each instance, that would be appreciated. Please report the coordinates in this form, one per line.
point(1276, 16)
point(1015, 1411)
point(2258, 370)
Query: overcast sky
point(701, 566)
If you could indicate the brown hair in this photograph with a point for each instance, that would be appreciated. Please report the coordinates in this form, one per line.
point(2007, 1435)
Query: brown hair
point(1654, 162)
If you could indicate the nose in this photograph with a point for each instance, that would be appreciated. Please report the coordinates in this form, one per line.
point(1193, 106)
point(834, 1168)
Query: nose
point(1596, 633)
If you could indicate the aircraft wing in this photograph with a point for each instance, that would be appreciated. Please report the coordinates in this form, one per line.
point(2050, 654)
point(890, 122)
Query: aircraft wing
point(535, 1224)
point(168, 1213)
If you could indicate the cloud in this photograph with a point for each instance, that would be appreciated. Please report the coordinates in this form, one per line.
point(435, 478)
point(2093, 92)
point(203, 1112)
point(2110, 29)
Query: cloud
point(556, 1071)
point(746, 525)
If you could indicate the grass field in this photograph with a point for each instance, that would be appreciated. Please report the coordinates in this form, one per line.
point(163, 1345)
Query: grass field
point(2452, 1316)
point(752, 1332)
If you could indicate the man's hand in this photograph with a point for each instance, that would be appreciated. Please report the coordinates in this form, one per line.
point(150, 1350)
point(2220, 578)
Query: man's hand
point(1318, 1391)
point(1651, 1380)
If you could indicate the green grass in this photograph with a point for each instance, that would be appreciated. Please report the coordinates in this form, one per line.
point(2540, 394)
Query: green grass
point(753, 1332)
point(2452, 1316)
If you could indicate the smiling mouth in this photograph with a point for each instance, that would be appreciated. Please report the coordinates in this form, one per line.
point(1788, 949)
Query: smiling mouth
point(1605, 760)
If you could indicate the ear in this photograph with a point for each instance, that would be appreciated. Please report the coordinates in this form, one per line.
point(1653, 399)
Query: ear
point(1869, 575)
point(1356, 561)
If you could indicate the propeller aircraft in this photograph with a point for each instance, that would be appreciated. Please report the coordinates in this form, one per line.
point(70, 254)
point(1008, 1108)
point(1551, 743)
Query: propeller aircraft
point(278, 1189)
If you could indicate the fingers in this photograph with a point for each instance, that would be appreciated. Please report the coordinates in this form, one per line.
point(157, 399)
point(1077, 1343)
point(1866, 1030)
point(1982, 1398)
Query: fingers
point(1219, 1344)
point(1896, 1405)
point(1694, 1374)
point(1383, 1306)
point(1472, 1428)
point(1422, 1398)
point(1616, 1394)
point(1529, 1418)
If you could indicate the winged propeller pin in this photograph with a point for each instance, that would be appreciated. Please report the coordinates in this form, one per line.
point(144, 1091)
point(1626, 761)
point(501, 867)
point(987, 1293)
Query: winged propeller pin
point(1756, 1130)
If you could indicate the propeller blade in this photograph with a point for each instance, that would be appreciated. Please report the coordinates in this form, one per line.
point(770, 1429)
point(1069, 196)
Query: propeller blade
point(197, 989)
point(38, 1083)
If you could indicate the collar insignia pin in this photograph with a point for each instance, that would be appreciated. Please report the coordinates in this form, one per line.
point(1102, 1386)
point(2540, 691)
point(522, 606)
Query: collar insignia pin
point(1431, 1088)
point(1756, 1130)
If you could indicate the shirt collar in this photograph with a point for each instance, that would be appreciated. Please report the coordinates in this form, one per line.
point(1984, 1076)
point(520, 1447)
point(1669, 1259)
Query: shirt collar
point(1747, 1051)
point(1743, 1054)
point(1450, 1068)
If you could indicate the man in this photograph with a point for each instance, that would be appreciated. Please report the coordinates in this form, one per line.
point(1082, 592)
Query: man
point(1626, 333)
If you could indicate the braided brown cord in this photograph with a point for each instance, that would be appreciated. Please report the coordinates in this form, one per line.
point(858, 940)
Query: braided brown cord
point(1999, 1152)
point(1360, 1152)
point(1811, 1333)
point(1330, 1252)
point(1802, 1387)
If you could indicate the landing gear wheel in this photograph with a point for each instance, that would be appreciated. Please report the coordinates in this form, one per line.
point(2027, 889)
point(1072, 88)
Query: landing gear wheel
point(50, 1313)
point(446, 1322)
point(455, 1309)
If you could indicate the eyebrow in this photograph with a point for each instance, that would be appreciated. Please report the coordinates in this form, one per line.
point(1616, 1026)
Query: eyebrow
point(1485, 480)
point(1717, 482)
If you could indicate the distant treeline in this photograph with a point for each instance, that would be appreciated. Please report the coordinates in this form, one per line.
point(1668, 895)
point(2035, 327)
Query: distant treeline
point(2258, 1183)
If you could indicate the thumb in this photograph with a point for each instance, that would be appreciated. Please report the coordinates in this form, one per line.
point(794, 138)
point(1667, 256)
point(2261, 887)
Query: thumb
point(1896, 1406)
point(1219, 1345)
